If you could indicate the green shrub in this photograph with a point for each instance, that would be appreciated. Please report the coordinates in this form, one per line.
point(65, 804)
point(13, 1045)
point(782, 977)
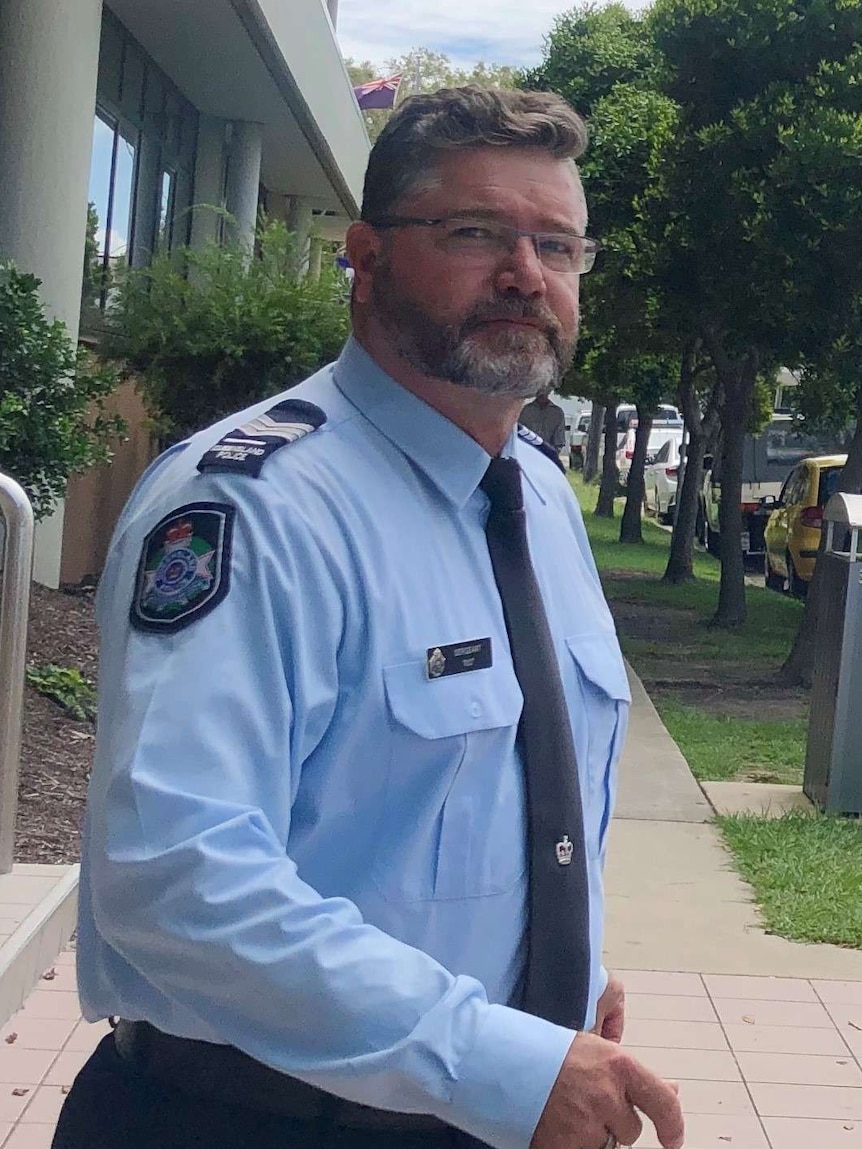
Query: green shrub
point(206, 333)
point(52, 395)
point(67, 686)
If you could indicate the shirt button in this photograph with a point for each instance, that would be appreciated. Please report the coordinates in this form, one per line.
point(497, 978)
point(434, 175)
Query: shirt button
point(476, 710)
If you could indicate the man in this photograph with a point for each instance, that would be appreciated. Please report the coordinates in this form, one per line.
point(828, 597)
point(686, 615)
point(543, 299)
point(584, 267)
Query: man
point(316, 888)
point(546, 419)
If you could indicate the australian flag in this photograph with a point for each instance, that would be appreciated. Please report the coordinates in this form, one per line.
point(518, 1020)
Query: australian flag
point(378, 93)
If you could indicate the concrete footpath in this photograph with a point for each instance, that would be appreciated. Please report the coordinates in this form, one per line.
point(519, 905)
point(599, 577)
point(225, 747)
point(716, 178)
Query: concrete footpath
point(674, 900)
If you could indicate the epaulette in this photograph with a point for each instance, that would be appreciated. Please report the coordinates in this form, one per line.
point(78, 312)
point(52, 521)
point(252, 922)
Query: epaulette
point(539, 443)
point(248, 447)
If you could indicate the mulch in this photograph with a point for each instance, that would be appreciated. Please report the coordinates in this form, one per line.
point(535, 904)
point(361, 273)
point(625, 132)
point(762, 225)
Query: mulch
point(57, 750)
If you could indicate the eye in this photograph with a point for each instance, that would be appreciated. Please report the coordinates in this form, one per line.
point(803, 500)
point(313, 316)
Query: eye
point(471, 231)
point(559, 245)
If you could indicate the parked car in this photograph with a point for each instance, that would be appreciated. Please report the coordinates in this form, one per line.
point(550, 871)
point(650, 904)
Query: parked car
point(578, 441)
point(660, 434)
point(660, 480)
point(793, 530)
point(627, 415)
point(768, 457)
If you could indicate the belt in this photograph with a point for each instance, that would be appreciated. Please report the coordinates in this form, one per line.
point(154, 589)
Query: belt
point(226, 1074)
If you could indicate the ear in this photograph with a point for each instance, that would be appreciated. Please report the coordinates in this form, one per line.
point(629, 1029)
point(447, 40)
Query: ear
point(363, 249)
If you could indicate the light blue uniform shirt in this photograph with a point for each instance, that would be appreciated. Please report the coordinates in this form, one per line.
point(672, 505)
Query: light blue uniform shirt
point(296, 842)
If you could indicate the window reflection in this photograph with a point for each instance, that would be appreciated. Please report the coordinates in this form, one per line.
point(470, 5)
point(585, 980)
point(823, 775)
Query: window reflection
point(166, 211)
point(112, 193)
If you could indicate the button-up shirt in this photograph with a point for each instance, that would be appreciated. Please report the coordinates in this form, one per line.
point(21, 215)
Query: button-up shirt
point(298, 843)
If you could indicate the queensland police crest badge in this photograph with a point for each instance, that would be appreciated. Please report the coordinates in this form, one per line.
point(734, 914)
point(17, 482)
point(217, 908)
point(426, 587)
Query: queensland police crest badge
point(184, 570)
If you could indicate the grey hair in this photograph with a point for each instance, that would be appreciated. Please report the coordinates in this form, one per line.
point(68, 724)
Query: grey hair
point(404, 155)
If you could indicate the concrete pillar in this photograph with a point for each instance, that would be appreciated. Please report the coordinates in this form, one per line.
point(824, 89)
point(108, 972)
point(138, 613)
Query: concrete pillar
point(209, 180)
point(315, 257)
point(49, 59)
point(243, 180)
point(299, 219)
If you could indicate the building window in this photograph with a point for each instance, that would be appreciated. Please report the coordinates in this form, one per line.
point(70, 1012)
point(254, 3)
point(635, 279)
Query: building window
point(142, 170)
point(113, 171)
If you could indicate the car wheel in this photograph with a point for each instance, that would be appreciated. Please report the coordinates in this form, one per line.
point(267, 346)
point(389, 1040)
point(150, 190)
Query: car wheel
point(773, 581)
point(798, 587)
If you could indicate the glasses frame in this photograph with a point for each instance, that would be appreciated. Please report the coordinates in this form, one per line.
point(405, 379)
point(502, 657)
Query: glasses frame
point(393, 221)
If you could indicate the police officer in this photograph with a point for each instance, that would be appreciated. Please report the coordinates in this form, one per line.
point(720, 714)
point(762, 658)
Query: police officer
point(306, 878)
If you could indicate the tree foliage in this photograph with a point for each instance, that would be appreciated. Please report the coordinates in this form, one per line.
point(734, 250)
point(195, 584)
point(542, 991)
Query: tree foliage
point(206, 333)
point(53, 418)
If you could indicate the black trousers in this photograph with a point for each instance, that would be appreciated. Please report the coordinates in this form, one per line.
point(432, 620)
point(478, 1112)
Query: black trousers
point(112, 1106)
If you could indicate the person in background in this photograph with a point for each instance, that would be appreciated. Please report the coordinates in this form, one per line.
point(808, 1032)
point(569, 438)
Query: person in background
point(361, 704)
point(545, 419)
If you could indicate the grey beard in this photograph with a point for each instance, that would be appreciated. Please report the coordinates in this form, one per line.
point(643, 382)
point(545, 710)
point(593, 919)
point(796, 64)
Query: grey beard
point(518, 370)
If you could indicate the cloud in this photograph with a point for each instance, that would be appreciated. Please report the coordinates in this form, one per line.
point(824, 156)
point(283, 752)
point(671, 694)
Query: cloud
point(496, 31)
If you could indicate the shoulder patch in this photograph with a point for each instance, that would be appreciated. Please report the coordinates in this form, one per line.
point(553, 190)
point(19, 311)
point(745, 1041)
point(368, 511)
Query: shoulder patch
point(248, 447)
point(184, 571)
point(539, 443)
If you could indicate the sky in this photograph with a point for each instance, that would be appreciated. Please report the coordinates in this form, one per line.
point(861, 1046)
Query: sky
point(496, 31)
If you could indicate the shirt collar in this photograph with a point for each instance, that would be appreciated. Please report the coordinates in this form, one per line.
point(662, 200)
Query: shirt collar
point(450, 459)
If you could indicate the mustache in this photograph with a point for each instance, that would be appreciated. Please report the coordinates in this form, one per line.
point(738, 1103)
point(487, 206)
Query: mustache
point(511, 309)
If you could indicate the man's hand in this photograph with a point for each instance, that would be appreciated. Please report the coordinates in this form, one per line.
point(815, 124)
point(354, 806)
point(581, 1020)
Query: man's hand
point(611, 1011)
point(597, 1092)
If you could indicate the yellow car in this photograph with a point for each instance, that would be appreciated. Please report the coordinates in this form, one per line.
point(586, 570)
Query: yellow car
point(794, 527)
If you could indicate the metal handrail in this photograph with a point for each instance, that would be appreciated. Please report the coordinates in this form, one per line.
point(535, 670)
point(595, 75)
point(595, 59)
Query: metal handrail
point(15, 575)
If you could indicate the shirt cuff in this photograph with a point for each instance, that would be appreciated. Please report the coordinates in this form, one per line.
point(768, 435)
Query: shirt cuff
point(505, 1079)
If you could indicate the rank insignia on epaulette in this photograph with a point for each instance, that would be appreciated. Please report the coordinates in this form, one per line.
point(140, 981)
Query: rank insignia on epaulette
point(184, 571)
point(539, 443)
point(247, 448)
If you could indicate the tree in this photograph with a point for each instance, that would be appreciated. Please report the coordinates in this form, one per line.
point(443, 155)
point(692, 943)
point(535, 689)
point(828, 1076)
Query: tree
point(739, 268)
point(699, 404)
point(206, 344)
point(53, 420)
point(651, 382)
point(423, 70)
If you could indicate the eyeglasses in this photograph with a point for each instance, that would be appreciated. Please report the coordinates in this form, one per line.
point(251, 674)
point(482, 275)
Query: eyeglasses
point(480, 242)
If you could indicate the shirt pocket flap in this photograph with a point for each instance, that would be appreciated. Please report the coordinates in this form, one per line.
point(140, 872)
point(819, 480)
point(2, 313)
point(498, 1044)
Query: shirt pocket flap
point(457, 704)
point(598, 658)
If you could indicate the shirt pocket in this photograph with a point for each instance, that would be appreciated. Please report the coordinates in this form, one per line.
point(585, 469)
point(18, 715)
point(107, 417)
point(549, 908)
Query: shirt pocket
point(452, 824)
point(599, 708)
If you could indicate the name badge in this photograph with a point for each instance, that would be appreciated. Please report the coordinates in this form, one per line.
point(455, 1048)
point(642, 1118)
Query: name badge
point(458, 657)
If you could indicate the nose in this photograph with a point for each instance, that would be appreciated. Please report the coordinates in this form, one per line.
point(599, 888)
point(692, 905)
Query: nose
point(521, 270)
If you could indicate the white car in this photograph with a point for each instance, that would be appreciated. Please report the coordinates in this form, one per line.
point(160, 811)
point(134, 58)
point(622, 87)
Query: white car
point(660, 480)
point(660, 434)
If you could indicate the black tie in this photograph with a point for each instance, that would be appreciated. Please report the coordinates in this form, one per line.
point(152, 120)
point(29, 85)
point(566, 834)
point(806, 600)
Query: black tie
point(558, 960)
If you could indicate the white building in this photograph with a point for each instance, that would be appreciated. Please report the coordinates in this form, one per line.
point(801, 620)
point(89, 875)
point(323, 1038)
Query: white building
point(147, 108)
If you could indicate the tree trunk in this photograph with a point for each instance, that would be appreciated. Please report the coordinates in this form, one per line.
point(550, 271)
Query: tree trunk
point(680, 563)
point(630, 527)
point(731, 609)
point(798, 669)
point(700, 428)
point(593, 443)
point(610, 474)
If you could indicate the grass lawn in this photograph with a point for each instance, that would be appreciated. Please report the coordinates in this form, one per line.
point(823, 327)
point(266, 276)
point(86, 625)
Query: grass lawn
point(724, 747)
point(806, 873)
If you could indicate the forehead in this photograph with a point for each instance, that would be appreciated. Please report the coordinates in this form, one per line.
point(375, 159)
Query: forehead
point(525, 186)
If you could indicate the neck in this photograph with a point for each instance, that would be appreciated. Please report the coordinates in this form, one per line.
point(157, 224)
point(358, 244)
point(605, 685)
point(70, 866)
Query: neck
point(488, 419)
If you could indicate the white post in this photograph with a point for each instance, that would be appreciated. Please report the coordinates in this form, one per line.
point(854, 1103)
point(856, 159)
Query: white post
point(16, 564)
point(49, 60)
